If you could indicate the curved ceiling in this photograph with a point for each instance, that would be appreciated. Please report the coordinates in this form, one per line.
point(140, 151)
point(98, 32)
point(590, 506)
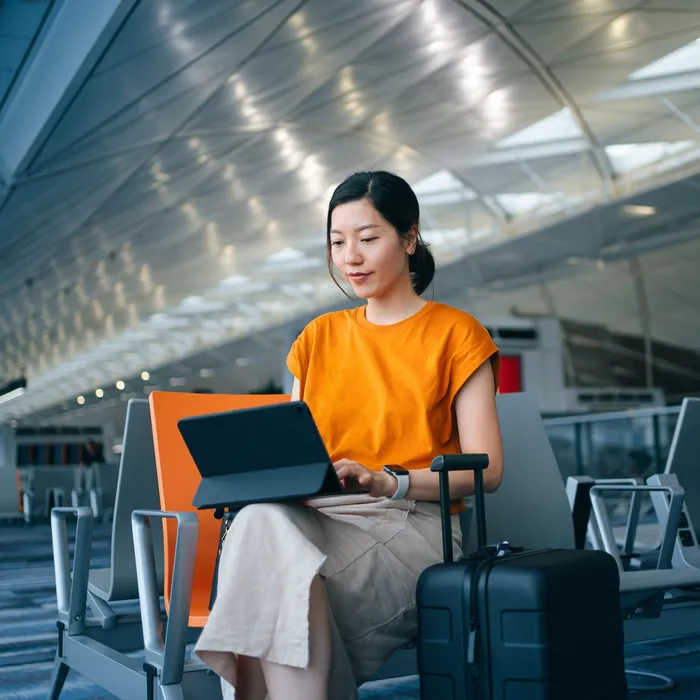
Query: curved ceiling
point(178, 199)
point(20, 24)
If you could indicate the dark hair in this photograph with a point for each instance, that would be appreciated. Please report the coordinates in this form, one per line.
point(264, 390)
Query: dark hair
point(397, 203)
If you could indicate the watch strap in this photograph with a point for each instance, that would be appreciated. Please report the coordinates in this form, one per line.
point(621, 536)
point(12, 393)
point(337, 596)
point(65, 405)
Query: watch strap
point(403, 486)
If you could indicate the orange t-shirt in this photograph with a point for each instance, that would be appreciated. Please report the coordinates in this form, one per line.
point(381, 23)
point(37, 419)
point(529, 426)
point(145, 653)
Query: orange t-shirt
point(384, 394)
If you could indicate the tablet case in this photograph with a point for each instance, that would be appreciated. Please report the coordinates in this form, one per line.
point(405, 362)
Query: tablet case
point(263, 454)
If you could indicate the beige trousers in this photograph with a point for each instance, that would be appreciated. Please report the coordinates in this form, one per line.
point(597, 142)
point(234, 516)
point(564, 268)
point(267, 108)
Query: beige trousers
point(369, 553)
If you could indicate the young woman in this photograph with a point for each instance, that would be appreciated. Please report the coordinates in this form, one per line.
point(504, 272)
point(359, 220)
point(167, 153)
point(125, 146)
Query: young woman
point(314, 598)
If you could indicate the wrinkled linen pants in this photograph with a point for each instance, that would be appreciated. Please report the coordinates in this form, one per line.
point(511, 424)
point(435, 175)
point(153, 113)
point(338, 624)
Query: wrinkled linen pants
point(369, 553)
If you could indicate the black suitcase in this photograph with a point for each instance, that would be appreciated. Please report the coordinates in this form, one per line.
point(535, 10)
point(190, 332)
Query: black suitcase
point(504, 624)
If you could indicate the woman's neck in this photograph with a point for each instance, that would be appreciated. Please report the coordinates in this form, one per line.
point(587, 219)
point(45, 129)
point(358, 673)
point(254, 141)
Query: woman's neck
point(393, 306)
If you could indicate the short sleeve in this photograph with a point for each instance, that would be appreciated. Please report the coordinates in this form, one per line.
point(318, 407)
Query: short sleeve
point(299, 353)
point(473, 348)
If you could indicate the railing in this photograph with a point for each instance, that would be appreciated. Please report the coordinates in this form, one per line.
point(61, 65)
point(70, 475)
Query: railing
point(613, 445)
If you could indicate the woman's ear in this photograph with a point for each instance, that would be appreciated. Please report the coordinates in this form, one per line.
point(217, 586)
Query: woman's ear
point(411, 240)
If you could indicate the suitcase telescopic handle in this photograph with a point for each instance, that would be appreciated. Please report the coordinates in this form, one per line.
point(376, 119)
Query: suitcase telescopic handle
point(444, 464)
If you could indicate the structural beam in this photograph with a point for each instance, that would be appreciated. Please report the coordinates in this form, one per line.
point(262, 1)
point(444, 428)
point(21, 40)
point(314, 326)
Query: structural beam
point(71, 43)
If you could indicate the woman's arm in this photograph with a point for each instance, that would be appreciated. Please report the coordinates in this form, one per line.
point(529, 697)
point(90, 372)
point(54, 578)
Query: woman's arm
point(479, 432)
point(295, 390)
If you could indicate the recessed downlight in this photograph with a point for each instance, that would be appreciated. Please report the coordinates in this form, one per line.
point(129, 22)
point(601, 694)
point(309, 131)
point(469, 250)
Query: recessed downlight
point(638, 210)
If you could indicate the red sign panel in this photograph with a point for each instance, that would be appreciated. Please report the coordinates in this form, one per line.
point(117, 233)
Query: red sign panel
point(511, 374)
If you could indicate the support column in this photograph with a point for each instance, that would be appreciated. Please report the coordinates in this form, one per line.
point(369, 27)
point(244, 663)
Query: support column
point(640, 294)
point(570, 367)
point(9, 495)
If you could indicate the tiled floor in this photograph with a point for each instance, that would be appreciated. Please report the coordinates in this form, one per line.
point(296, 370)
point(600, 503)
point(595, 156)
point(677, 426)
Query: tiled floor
point(28, 636)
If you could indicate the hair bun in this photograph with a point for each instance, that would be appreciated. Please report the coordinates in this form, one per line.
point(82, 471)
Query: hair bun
point(422, 267)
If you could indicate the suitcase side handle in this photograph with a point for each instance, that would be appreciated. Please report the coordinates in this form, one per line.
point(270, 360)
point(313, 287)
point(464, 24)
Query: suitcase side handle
point(444, 464)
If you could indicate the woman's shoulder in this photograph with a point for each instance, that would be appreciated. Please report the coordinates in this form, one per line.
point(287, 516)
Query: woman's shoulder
point(327, 322)
point(314, 339)
point(455, 320)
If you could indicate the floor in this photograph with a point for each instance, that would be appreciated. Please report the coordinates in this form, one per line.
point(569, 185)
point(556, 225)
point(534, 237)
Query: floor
point(28, 636)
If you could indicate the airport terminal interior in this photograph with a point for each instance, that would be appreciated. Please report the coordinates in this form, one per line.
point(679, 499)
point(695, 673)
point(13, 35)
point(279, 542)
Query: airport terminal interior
point(166, 168)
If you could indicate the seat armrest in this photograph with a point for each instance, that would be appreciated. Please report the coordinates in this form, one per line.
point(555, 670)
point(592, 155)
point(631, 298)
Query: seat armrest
point(166, 653)
point(578, 492)
point(71, 587)
point(670, 531)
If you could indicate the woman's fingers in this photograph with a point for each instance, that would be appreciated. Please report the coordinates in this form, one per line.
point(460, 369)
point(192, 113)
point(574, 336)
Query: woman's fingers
point(343, 472)
point(346, 468)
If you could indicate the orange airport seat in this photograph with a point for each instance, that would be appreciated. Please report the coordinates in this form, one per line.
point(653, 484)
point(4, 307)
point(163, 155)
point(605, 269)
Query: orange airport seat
point(178, 480)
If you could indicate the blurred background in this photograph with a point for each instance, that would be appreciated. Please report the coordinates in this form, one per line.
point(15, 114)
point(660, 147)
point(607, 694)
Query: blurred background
point(165, 172)
point(165, 169)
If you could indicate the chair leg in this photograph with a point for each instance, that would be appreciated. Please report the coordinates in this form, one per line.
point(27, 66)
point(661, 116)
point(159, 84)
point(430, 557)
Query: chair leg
point(58, 678)
point(172, 692)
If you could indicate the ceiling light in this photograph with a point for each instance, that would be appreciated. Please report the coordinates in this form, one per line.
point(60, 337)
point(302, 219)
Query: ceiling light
point(638, 210)
point(81, 400)
point(145, 376)
point(99, 393)
point(120, 385)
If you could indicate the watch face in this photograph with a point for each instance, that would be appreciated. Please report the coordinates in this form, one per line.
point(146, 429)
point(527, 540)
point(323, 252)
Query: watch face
point(396, 469)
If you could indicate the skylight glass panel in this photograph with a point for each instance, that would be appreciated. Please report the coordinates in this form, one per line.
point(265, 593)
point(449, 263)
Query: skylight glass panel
point(446, 236)
point(442, 187)
point(626, 157)
point(683, 60)
point(556, 127)
point(517, 203)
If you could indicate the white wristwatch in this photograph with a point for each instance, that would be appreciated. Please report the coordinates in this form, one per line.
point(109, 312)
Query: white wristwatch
point(402, 476)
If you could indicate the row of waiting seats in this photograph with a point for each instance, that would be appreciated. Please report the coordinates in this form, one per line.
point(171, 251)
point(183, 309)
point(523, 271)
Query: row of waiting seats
point(163, 551)
point(42, 488)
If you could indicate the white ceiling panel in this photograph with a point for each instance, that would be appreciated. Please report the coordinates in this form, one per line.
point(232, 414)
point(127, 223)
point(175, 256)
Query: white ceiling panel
point(554, 37)
point(181, 196)
point(633, 38)
point(183, 18)
point(572, 9)
point(181, 63)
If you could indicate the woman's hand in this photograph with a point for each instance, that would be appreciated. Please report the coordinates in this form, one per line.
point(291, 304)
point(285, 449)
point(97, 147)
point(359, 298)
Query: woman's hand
point(380, 484)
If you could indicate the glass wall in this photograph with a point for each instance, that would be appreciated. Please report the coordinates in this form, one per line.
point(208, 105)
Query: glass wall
point(613, 445)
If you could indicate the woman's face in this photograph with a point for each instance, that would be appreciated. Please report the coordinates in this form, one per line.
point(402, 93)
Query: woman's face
point(367, 250)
